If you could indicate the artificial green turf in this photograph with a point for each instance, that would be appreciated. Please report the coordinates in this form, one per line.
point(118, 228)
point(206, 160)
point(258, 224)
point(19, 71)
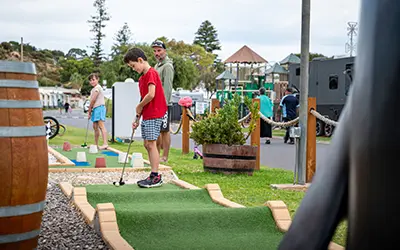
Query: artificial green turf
point(111, 161)
point(169, 217)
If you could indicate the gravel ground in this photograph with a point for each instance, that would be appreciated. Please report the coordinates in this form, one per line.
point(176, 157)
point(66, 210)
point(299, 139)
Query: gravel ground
point(105, 178)
point(63, 227)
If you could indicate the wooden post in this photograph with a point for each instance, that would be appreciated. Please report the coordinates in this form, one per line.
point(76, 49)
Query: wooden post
point(214, 105)
point(311, 140)
point(185, 132)
point(255, 136)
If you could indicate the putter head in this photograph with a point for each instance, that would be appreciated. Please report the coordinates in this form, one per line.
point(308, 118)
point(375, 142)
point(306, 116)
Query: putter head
point(121, 183)
point(84, 145)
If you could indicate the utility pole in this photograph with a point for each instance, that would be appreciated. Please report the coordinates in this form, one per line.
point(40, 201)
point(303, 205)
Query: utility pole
point(304, 65)
point(351, 46)
point(22, 49)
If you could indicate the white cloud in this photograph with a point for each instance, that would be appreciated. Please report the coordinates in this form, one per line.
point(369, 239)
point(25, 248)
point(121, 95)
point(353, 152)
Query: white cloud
point(271, 28)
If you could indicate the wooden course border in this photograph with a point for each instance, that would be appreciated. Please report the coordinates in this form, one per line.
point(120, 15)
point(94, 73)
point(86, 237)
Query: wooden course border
point(65, 162)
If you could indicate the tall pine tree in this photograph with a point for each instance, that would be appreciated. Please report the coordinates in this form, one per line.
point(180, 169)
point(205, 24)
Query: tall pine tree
point(122, 39)
point(207, 37)
point(98, 23)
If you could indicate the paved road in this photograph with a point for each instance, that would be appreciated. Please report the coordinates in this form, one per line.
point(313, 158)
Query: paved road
point(276, 155)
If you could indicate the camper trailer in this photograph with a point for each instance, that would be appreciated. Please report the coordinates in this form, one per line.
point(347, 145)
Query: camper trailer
point(329, 82)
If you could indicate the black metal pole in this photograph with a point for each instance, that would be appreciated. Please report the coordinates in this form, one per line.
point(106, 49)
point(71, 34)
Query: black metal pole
point(360, 176)
point(113, 115)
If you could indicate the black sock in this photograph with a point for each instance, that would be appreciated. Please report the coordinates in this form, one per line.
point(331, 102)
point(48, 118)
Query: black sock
point(153, 174)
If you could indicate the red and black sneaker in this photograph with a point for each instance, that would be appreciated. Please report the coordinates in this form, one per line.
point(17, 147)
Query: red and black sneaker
point(151, 181)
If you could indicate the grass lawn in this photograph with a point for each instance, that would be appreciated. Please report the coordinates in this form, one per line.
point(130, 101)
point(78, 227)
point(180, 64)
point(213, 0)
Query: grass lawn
point(185, 219)
point(247, 190)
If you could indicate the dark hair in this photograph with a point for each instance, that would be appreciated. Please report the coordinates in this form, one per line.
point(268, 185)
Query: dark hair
point(94, 75)
point(262, 91)
point(289, 89)
point(133, 55)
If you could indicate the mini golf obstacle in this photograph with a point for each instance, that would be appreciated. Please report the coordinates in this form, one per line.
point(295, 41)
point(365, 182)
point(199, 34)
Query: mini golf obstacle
point(69, 160)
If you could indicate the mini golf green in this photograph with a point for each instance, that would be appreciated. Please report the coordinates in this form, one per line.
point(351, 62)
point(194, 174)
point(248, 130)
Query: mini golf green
point(169, 217)
point(111, 158)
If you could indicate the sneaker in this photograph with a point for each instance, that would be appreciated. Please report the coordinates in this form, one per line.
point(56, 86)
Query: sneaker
point(151, 181)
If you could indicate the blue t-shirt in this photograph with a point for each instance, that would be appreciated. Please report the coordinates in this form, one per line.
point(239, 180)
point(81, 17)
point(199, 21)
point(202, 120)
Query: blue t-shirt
point(289, 104)
point(266, 106)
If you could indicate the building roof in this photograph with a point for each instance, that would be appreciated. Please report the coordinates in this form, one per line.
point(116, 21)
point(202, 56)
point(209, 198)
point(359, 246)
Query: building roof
point(245, 55)
point(59, 90)
point(277, 69)
point(226, 75)
point(292, 58)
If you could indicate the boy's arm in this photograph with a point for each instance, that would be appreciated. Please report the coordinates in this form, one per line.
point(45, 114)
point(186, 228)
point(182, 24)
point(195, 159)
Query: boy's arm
point(150, 95)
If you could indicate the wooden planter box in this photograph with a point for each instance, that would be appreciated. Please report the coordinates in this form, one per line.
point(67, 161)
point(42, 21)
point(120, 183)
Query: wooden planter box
point(236, 159)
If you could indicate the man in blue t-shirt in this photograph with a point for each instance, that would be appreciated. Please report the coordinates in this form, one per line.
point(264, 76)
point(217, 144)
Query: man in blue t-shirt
point(289, 105)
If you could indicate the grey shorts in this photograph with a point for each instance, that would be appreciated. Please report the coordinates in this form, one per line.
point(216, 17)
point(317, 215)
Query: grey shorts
point(151, 129)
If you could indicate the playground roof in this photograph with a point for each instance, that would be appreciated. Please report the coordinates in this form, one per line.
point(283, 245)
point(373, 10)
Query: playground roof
point(226, 75)
point(277, 69)
point(245, 55)
point(292, 58)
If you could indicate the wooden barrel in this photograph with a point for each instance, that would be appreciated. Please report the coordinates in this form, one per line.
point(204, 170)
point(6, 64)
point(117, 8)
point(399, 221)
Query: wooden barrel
point(23, 156)
point(236, 159)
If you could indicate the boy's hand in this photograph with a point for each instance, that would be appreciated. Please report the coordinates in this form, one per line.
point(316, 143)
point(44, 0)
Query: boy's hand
point(89, 115)
point(135, 124)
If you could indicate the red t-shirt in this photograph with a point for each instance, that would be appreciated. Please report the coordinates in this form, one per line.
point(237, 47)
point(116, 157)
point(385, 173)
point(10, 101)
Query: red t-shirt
point(157, 107)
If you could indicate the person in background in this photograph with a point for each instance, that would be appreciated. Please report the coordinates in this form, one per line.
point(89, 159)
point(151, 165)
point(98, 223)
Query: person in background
point(165, 69)
point(266, 108)
point(97, 110)
point(66, 107)
point(289, 105)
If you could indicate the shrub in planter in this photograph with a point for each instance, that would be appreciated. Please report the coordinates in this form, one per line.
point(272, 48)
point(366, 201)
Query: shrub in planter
point(223, 140)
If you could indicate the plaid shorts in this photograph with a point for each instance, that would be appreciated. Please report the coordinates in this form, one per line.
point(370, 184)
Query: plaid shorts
point(151, 129)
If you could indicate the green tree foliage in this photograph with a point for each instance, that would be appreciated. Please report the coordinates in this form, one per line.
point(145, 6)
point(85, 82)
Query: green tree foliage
point(70, 66)
point(312, 55)
point(122, 39)
point(98, 23)
point(207, 37)
point(77, 53)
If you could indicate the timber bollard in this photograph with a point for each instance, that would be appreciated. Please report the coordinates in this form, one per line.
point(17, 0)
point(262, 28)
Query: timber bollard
point(214, 105)
point(311, 140)
point(185, 131)
point(255, 137)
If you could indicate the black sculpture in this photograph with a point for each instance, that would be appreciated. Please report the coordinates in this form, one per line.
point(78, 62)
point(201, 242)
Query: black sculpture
point(359, 179)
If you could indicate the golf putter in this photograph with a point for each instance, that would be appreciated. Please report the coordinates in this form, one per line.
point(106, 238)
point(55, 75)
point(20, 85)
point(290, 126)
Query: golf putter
point(84, 145)
point(121, 182)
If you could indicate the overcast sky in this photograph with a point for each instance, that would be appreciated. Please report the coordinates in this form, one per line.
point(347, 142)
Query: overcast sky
point(271, 28)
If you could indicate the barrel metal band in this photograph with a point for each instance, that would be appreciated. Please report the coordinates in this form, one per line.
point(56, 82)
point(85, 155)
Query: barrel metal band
point(10, 104)
point(21, 210)
point(10, 238)
point(22, 131)
point(18, 67)
point(19, 84)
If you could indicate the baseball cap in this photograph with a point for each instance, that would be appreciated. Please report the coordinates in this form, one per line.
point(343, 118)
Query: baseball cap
point(158, 43)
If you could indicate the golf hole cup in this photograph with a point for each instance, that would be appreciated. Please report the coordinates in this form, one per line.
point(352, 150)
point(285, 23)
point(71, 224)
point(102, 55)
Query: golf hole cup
point(81, 156)
point(137, 160)
point(122, 157)
point(93, 149)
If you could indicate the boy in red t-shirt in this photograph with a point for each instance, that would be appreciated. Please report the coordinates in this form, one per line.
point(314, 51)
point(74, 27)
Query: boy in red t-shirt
point(152, 108)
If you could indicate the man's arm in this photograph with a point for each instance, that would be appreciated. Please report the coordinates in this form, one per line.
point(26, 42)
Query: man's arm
point(167, 81)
